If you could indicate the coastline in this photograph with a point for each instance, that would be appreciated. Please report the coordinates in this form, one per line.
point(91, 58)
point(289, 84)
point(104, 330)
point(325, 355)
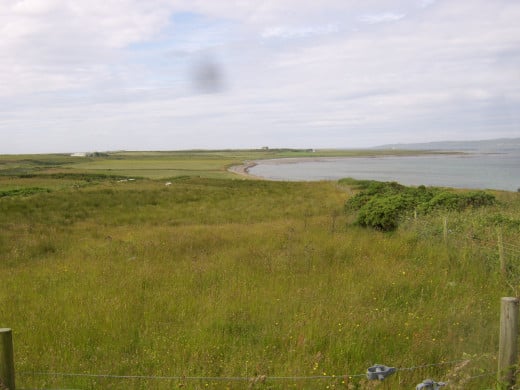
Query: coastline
point(455, 170)
point(243, 170)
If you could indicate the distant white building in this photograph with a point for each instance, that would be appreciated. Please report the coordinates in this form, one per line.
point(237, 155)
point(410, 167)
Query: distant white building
point(90, 154)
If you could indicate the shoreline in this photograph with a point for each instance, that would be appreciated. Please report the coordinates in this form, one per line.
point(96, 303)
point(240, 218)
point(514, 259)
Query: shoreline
point(243, 170)
point(464, 177)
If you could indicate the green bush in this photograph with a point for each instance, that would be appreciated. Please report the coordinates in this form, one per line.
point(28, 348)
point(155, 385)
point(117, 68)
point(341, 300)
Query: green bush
point(371, 189)
point(383, 212)
point(457, 202)
point(380, 205)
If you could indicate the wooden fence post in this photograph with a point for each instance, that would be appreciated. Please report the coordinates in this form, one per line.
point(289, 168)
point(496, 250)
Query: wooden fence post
point(507, 352)
point(6, 359)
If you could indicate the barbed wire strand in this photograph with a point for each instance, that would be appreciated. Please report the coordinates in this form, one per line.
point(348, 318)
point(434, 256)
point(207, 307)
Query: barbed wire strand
point(199, 378)
point(468, 379)
point(234, 378)
point(351, 376)
point(437, 364)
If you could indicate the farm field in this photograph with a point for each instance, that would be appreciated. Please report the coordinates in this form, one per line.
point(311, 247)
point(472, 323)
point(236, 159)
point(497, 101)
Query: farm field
point(219, 282)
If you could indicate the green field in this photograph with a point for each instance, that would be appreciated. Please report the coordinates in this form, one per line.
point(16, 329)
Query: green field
point(162, 165)
point(220, 282)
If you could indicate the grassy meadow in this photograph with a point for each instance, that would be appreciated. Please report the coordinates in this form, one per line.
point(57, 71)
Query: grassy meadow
point(225, 279)
point(160, 165)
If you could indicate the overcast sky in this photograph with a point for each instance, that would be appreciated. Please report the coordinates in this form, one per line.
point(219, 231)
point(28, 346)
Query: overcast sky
point(102, 75)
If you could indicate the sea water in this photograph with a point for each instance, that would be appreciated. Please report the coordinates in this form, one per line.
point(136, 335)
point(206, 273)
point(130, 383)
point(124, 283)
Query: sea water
point(476, 170)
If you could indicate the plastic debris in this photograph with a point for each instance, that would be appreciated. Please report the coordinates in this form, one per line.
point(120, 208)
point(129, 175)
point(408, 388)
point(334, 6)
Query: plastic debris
point(380, 372)
point(429, 384)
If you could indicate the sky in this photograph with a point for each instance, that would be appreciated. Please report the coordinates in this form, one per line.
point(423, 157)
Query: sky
point(104, 75)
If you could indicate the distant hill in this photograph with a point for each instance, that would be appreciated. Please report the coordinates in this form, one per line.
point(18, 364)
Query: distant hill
point(502, 144)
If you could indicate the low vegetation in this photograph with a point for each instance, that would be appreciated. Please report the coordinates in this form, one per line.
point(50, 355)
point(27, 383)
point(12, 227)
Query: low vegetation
point(381, 205)
point(22, 191)
point(230, 278)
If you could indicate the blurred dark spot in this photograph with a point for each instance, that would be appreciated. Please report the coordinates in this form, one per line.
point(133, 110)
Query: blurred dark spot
point(207, 76)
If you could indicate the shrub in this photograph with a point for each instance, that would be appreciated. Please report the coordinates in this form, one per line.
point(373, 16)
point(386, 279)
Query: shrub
point(380, 205)
point(383, 213)
point(369, 190)
point(457, 202)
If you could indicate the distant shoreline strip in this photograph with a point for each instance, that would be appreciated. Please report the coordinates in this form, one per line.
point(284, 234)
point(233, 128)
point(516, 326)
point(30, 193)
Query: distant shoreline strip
point(243, 169)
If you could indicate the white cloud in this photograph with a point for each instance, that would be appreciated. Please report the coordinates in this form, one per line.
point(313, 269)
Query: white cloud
point(107, 72)
point(299, 32)
point(426, 3)
point(381, 18)
point(55, 44)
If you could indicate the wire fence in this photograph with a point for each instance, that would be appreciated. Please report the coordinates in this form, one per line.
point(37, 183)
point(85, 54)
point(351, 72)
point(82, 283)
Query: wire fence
point(254, 380)
point(262, 379)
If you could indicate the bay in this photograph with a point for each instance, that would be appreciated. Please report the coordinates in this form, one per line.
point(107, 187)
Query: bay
point(500, 170)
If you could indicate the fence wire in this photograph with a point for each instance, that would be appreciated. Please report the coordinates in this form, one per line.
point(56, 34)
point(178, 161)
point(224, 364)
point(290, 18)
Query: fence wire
point(241, 378)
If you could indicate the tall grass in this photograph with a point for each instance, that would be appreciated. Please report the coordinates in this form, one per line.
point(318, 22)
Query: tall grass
point(231, 278)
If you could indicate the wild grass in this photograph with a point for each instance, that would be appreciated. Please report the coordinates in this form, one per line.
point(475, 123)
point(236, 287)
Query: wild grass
point(241, 278)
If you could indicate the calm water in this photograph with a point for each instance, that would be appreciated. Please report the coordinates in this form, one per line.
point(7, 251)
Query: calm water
point(476, 170)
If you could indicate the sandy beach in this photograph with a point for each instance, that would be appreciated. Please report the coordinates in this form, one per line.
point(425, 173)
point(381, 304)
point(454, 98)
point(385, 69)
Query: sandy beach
point(243, 170)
